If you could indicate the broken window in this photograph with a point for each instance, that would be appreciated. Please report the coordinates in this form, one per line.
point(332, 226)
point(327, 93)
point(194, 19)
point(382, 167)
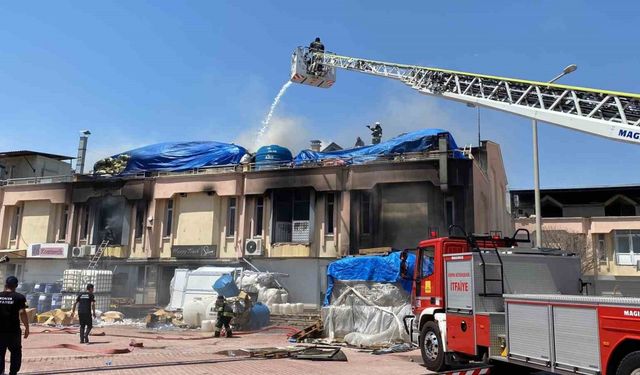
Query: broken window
point(84, 230)
point(292, 215)
point(111, 220)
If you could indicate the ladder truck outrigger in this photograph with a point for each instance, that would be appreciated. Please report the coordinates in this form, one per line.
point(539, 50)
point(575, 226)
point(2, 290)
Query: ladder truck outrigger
point(483, 297)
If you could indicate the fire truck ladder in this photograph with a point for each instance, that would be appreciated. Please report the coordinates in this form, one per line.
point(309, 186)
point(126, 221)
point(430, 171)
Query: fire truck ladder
point(500, 270)
point(609, 114)
point(93, 263)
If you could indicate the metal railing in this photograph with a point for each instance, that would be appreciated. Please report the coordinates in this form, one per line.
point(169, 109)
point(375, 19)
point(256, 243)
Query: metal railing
point(38, 180)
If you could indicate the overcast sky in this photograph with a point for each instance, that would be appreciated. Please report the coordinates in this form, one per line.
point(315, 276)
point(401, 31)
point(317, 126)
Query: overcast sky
point(141, 72)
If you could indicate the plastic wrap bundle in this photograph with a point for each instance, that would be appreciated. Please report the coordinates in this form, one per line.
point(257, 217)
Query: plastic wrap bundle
point(75, 281)
point(366, 313)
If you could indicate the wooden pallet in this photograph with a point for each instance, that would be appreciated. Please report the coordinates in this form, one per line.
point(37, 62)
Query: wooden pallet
point(312, 331)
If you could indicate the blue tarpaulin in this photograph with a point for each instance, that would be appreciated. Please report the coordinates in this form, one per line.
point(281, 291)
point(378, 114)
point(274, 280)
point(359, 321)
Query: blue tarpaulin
point(416, 141)
point(370, 268)
point(181, 156)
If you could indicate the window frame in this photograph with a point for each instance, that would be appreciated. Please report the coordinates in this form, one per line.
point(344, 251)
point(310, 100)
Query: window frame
point(231, 216)
point(168, 219)
point(365, 229)
point(633, 254)
point(140, 220)
point(330, 212)
point(16, 221)
point(64, 221)
point(258, 222)
point(450, 219)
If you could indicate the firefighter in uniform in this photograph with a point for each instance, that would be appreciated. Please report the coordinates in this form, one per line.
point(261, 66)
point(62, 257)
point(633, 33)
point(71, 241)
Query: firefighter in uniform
point(225, 314)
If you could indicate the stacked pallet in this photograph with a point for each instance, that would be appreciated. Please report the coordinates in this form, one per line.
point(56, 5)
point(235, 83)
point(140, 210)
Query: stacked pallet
point(300, 321)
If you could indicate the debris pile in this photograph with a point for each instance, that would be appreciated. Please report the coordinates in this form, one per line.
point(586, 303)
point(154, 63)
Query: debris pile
point(111, 165)
point(163, 318)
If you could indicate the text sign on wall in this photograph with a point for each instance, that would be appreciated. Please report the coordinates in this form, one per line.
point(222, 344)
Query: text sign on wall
point(48, 250)
point(459, 285)
point(194, 251)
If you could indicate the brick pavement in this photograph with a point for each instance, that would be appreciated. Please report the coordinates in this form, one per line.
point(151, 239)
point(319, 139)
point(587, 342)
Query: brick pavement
point(38, 359)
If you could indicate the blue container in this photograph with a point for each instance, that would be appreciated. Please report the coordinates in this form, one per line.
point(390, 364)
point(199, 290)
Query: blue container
point(39, 287)
point(259, 316)
point(56, 301)
point(44, 303)
point(272, 156)
point(32, 299)
point(226, 286)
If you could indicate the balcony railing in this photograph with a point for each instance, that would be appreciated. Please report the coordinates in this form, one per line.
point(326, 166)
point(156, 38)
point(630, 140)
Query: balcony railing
point(38, 180)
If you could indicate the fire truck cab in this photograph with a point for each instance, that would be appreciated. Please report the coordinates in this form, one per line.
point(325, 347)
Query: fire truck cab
point(484, 298)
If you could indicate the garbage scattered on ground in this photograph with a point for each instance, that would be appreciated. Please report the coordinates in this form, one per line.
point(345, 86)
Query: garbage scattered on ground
point(112, 317)
point(313, 353)
point(55, 317)
point(164, 319)
point(398, 348)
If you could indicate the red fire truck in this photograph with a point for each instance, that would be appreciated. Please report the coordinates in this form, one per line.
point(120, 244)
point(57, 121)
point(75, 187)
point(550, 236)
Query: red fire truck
point(483, 298)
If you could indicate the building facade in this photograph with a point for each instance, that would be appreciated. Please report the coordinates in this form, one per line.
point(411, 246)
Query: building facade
point(601, 223)
point(289, 219)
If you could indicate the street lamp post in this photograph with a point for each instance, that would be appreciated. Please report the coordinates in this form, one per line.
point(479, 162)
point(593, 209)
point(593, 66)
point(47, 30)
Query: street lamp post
point(536, 166)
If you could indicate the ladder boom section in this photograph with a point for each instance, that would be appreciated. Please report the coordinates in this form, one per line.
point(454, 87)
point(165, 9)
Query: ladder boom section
point(610, 114)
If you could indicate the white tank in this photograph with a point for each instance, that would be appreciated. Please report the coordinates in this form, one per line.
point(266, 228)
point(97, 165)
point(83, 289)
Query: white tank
point(275, 309)
point(299, 308)
point(194, 312)
point(207, 326)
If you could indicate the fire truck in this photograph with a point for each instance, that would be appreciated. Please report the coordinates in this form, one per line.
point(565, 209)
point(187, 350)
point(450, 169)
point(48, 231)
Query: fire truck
point(485, 298)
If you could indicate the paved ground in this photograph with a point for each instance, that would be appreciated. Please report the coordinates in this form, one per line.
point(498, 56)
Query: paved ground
point(42, 355)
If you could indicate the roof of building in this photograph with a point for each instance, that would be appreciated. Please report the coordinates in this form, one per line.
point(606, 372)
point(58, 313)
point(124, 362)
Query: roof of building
point(574, 189)
point(11, 154)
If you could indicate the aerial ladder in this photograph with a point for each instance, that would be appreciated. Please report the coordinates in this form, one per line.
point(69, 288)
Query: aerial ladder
point(608, 114)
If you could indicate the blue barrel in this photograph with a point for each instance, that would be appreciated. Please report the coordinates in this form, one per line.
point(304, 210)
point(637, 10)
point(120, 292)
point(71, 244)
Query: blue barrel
point(39, 287)
point(226, 286)
point(52, 288)
point(32, 299)
point(56, 301)
point(272, 156)
point(44, 303)
point(259, 316)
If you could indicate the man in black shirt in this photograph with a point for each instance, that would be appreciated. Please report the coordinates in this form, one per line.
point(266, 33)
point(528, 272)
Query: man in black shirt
point(86, 303)
point(12, 311)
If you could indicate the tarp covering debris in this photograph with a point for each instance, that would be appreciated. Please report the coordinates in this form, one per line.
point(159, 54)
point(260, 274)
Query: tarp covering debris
point(416, 141)
point(174, 157)
point(369, 268)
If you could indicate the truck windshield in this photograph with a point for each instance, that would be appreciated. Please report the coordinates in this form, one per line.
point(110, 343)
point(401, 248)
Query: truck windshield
point(426, 264)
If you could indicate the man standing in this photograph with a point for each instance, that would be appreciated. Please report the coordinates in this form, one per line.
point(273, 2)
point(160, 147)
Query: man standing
point(86, 303)
point(12, 311)
point(225, 314)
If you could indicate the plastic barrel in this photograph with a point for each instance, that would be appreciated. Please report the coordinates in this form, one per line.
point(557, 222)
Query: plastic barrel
point(44, 303)
point(226, 286)
point(259, 316)
point(32, 300)
point(39, 288)
point(56, 301)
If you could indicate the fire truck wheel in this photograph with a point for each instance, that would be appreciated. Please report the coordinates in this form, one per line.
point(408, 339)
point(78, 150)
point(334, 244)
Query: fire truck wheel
point(431, 347)
point(630, 364)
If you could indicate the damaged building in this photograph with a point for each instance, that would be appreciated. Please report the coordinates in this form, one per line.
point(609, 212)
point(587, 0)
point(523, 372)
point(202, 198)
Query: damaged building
point(287, 215)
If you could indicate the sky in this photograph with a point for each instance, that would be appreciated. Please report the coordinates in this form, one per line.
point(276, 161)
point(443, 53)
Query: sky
point(141, 72)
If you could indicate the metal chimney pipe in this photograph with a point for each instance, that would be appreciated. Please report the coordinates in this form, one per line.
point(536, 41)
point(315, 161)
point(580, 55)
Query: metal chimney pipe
point(82, 151)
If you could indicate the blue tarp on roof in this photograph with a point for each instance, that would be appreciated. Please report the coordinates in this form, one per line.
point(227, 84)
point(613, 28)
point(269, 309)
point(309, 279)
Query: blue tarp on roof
point(370, 268)
point(416, 141)
point(181, 156)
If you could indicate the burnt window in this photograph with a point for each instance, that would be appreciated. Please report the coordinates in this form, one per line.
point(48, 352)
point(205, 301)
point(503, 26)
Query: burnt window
point(84, 229)
point(291, 215)
point(15, 222)
point(330, 212)
point(140, 216)
point(63, 223)
point(365, 213)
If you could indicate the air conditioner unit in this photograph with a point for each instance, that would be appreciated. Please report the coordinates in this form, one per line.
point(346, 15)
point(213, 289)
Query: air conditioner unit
point(253, 247)
point(90, 249)
point(78, 252)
